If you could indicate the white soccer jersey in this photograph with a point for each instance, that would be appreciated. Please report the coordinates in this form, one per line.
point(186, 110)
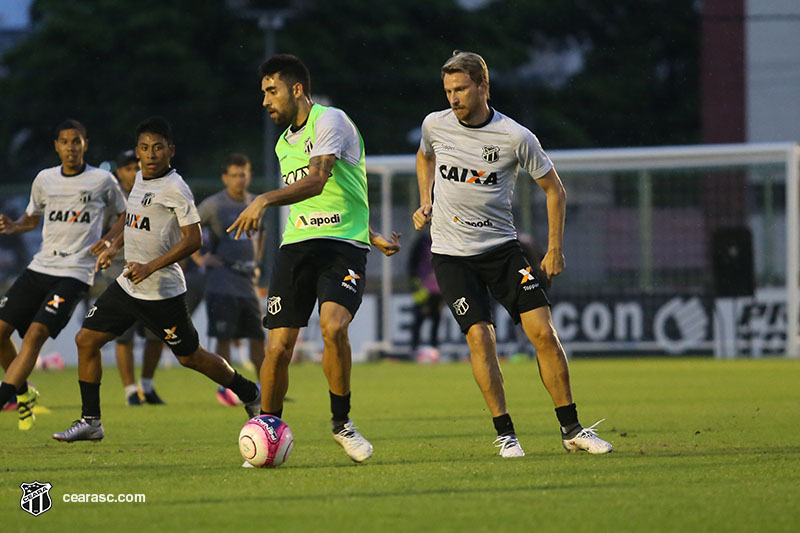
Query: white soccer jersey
point(476, 170)
point(72, 208)
point(157, 209)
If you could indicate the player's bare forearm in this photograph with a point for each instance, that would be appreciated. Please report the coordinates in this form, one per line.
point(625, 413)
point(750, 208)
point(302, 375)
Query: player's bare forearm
point(553, 262)
point(426, 166)
point(23, 224)
point(107, 240)
point(319, 170)
point(190, 242)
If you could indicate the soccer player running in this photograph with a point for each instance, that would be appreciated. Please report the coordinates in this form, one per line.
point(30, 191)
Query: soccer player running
point(161, 228)
point(324, 250)
point(231, 267)
point(127, 168)
point(72, 198)
point(471, 154)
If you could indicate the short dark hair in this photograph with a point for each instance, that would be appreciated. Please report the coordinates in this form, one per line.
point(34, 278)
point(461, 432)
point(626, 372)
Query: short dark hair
point(235, 159)
point(157, 125)
point(291, 69)
point(71, 124)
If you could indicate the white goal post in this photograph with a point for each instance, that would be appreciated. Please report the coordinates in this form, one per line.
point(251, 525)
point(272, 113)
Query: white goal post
point(637, 160)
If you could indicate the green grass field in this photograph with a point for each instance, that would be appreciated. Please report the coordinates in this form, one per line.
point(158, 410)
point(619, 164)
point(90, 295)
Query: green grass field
point(700, 445)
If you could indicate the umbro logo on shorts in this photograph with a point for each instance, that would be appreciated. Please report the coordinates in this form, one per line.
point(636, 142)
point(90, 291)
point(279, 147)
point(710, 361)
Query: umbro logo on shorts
point(461, 306)
point(90, 314)
point(274, 305)
point(3, 301)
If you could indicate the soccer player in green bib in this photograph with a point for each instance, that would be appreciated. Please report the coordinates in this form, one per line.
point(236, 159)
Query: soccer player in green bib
point(323, 255)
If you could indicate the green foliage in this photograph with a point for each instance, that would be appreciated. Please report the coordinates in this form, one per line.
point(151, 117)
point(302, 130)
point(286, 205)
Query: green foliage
point(111, 63)
point(700, 445)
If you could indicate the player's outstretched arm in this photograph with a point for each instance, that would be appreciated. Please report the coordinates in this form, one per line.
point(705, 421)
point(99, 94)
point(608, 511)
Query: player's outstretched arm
point(190, 242)
point(553, 262)
point(106, 240)
point(23, 224)
point(319, 170)
point(387, 247)
point(426, 165)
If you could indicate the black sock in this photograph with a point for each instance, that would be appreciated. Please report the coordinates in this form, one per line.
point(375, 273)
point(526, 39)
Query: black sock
point(340, 408)
point(277, 412)
point(246, 390)
point(503, 424)
point(22, 389)
point(568, 419)
point(7, 391)
point(90, 400)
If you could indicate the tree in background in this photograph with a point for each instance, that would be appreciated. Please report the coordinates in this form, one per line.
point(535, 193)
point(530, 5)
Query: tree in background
point(110, 63)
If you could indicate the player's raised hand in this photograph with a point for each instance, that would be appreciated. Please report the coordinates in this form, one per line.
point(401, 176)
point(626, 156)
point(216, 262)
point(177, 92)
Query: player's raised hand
point(249, 220)
point(385, 246)
point(6, 225)
point(553, 262)
point(137, 272)
point(422, 216)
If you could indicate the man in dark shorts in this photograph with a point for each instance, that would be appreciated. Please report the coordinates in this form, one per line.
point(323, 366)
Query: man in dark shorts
point(324, 251)
point(127, 168)
point(161, 228)
point(72, 199)
point(232, 305)
point(472, 153)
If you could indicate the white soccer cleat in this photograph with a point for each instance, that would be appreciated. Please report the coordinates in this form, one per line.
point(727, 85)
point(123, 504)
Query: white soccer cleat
point(509, 446)
point(357, 447)
point(587, 440)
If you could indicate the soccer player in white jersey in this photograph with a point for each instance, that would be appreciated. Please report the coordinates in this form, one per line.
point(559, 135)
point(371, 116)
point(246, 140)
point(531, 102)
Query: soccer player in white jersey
point(467, 166)
point(161, 228)
point(127, 168)
point(72, 198)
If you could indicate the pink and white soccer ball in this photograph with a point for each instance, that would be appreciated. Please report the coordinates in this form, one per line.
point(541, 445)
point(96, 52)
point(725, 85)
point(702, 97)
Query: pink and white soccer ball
point(266, 441)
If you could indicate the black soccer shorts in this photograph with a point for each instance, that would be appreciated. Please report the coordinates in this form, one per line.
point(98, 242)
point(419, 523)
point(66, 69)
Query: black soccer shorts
point(317, 269)
point(233, 317)
point(505, 272)
point(116, 310)
point(37, 297)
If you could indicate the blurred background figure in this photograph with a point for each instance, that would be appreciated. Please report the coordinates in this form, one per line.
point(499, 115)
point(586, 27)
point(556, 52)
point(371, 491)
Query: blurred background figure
point(232, 304)
point(427, 300)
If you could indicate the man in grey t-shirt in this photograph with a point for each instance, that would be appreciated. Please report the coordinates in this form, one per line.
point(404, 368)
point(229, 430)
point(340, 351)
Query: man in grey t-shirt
point(231, 267)
point(469, 155)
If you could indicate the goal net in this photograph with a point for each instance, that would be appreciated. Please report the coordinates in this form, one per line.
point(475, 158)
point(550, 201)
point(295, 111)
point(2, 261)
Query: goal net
point(670, 250)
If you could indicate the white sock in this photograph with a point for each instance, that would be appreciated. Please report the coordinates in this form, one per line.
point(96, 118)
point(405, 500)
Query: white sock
point(147, 384)
point(129, 389)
